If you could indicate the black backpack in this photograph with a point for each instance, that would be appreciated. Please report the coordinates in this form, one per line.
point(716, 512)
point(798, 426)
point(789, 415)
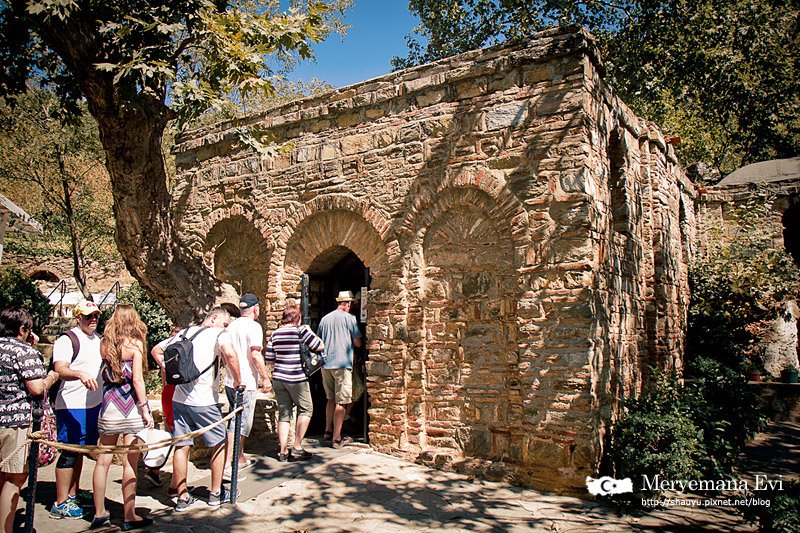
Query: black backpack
point(52, 392)
point(179, 360)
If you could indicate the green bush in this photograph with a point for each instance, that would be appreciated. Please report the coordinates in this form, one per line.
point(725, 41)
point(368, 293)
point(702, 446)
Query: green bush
point(783, 513)
point(657, 436)
point(725, 410)
point(16, 289)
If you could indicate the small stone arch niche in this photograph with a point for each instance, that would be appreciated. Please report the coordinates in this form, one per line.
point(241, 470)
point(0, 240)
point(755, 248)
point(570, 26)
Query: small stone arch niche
point(239, 254)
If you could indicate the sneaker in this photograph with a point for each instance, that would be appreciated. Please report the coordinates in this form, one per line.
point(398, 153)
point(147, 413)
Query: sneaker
point(69, 509)
point(246, 464)
point(182, 504)
point(283, 457)
point(226, 475)
point(154, 477)
point(223, 496)
point(300, 455)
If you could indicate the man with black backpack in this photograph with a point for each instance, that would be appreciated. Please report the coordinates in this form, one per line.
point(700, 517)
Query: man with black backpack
point(76, 358)
point(190, 360)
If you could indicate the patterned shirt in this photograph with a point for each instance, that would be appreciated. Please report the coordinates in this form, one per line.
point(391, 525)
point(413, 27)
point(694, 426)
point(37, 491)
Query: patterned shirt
point(283, 349)
point(19, 362)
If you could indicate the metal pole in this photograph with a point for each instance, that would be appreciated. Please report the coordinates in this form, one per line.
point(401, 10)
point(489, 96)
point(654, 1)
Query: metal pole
point(237, 444)
point(33, 466)
point(305, 299)
point(365, 400)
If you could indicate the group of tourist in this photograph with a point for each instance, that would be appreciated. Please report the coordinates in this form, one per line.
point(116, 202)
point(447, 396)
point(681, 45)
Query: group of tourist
point(101, 397)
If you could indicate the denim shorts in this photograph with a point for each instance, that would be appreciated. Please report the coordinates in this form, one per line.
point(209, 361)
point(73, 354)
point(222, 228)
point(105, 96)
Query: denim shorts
point(247, 414)
point(191, 418)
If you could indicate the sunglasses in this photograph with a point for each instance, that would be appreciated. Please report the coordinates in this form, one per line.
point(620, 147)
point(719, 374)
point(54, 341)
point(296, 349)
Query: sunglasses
point(93, 316)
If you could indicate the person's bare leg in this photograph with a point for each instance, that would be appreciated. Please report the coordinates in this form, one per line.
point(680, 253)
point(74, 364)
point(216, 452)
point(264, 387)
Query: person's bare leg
point(10, 485)
point(180, 469)
point(330, 408)
point(338, 420)
point(100, 476)
point(283, 436)
point(129, 464)
point(300, 431)
point(217, 466)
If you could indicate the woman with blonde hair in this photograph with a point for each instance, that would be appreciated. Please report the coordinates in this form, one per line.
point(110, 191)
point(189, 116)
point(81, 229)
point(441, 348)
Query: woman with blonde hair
point(124, 410)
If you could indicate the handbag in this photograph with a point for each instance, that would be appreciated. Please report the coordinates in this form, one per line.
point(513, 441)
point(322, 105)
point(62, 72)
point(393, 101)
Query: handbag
point(47, 454)
point(311, 362)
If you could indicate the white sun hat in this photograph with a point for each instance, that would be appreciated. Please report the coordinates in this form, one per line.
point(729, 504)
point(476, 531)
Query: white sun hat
point(155, 458)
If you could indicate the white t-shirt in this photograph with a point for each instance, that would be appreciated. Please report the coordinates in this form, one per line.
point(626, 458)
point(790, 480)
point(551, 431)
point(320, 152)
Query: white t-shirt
point(73, 394)
point(204, 391)
point(245, 334)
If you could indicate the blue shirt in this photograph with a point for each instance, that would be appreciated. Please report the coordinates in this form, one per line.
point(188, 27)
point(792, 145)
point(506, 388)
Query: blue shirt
point(338, 329)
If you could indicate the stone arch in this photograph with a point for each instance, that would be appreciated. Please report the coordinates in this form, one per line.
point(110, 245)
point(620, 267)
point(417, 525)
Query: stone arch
point(335, 220)
point(43, 274)
point(323, 231)
point(238, 254)
point(488, 192)
point(468, 396)
point(316, 236)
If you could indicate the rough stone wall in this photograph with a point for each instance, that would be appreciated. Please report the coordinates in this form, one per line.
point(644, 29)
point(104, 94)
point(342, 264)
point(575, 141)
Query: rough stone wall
point(524, 234)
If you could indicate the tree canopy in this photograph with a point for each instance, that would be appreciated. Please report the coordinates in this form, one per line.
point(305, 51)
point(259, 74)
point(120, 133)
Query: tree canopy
point(721, 74)
point(52, 162)
point(140, 65)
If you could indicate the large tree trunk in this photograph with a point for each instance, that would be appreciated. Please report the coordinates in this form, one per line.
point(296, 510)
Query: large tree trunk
point(132, 121)
point(145, 232)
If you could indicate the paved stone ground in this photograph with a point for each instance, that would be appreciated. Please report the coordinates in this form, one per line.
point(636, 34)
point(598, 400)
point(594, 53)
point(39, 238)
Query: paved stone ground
point(359, 490)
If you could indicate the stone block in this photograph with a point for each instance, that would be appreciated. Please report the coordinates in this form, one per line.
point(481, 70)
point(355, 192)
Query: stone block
point(507, 116)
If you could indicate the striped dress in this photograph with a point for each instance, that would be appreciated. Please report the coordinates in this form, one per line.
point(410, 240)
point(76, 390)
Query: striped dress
point(283, 349)
point(119, 414)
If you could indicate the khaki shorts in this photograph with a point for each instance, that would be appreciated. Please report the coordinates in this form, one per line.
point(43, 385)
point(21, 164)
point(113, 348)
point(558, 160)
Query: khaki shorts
point(290, 394)
point(10, 438)
point(338, 383)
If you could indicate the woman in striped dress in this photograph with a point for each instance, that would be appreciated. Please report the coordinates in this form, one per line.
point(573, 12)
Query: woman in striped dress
point(124, 409)
point(289, 382)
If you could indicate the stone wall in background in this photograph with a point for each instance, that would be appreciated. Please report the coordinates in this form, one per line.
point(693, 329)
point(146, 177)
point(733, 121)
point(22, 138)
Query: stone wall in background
point(527, 238)
point(717, 207)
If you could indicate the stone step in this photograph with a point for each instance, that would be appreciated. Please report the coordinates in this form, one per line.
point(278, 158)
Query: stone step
point(57, 326)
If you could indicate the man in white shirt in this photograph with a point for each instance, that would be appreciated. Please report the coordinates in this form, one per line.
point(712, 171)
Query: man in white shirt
point(76, 357)
point(196, 405)
point(241, 345)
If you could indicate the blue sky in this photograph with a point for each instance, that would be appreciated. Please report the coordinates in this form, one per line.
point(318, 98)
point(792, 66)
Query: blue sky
point(377, 33)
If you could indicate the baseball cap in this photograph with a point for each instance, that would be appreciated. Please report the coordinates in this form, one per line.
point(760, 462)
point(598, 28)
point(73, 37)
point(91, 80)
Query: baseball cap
point(85, 308)
point(248, 300)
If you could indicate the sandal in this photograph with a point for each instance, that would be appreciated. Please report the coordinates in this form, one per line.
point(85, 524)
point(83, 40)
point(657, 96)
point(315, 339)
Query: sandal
point(328, 435)
point(101, 521)
point(344, 441)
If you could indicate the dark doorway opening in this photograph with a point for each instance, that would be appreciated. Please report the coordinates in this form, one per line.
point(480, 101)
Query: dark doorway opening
point(335, 270)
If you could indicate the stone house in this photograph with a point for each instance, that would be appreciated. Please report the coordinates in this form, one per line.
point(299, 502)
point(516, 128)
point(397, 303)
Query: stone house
point(523, 239)
point(774, 188)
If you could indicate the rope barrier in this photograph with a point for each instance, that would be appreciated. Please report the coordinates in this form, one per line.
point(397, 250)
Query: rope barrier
point(95, 450)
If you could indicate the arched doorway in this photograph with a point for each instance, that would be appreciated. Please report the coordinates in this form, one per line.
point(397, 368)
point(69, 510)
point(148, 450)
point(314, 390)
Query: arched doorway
point(334, 270)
